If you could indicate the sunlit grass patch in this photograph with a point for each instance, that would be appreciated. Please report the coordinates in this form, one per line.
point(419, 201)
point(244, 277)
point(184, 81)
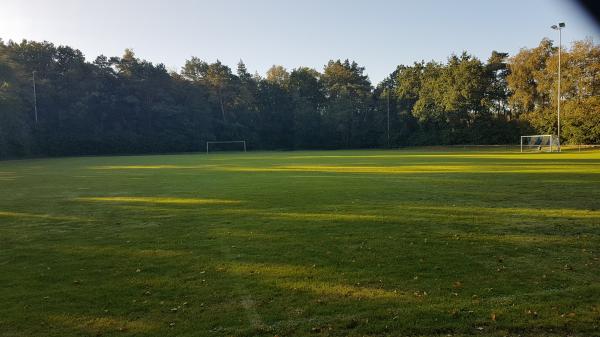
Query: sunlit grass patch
point(311, 279)
point(522, 239)
point(422, 169)
point(154, 282)
point(161, 200)
point(504, 211)
point(149, 167)
point(511, 156)
point(146, 207)
point(246, 234)
point(324, 288)
point(22, 215)
point(350, 169)
point(299, 216)
point(120, 251)
point(320, 216)
point(8, 175)
point(270, 270)
point(101, 324)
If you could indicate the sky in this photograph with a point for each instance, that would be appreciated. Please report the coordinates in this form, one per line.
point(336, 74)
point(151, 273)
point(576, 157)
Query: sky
point(377, 34)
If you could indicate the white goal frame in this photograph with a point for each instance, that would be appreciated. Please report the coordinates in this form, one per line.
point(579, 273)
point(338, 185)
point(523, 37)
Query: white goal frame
point(226, 142)
point(551, 143)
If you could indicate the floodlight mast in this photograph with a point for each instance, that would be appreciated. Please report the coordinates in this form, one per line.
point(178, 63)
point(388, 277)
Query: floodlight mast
point(34, 98)
point(560, 26)
point(388, 116)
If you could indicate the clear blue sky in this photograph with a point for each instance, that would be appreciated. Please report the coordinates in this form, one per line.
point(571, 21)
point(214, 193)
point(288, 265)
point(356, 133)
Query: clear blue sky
point(378, 34)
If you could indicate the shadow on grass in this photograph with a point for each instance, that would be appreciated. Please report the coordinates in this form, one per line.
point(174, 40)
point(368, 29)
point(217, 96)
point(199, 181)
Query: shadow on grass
point(293, 298)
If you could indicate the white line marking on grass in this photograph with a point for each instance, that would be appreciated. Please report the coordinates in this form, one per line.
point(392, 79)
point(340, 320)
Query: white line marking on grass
point(247, 302)
point(250, 306)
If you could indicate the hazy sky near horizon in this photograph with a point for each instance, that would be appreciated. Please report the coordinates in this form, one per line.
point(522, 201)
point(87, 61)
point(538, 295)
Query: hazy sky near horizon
point(378, 34)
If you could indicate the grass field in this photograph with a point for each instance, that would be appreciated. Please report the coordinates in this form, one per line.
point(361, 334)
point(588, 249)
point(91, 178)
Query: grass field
point(338, 243)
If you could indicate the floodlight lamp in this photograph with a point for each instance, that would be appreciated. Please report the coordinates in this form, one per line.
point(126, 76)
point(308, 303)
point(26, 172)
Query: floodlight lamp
point(554, 27)
point(561, 25)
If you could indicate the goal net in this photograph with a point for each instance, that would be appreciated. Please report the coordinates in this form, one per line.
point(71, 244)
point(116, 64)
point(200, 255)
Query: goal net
point(230, 145)
point(540, 143)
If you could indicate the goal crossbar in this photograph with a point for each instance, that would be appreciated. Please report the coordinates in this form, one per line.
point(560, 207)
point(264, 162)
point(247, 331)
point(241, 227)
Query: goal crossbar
point(208, 143)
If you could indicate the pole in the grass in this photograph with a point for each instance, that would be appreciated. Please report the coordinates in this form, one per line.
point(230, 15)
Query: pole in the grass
point(521, 143)
point(388, 116)
point(560, 26)
point(34, 98)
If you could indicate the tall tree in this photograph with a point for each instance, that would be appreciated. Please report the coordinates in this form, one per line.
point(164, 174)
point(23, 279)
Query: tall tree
point(308, 101)
point(276, 113)
point(348, 94)
point(530, 98)
point(15, 122)
point(533, 82)
point(216, 76)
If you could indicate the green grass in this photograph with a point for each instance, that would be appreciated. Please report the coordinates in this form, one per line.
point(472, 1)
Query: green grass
point(337, 243)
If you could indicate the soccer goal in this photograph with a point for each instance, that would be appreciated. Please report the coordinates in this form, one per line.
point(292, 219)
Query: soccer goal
point(230, 145)
point(540, 143)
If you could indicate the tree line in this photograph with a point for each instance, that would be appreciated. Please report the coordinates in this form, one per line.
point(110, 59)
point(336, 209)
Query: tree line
point(129, 105)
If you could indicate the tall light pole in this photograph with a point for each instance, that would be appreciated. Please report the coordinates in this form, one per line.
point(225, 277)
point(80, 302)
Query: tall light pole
point(34, 98)
point(560, 26)
point(388, 116)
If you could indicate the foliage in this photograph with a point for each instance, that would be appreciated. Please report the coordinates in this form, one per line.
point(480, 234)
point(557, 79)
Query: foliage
point(534, 85)
point(129, 105)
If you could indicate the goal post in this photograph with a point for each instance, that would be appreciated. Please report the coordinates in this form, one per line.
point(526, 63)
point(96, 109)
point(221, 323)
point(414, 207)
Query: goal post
point(241, 144)
point(540, 143)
